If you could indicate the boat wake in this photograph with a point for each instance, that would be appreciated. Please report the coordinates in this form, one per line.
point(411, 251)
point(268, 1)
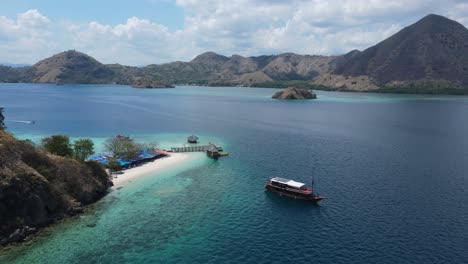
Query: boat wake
point(22, 121)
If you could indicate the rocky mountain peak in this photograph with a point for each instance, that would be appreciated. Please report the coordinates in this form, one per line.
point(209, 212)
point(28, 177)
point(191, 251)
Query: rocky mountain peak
point(71, 67)
point(209, 58)
point(67, 57)
point(433, 48)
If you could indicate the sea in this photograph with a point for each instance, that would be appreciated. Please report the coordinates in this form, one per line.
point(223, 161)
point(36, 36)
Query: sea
point(393, 167)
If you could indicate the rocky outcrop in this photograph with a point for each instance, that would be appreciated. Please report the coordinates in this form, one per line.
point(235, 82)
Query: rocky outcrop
point(292, 93)
point(141, 83)
point(37, 188)
point(209, 60)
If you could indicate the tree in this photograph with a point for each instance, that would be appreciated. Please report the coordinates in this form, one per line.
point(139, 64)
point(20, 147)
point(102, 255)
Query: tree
point(149, 146)
point(122, 147)
point(58, 145)
point(114, 166)
point(2, 125)
point(83, 148)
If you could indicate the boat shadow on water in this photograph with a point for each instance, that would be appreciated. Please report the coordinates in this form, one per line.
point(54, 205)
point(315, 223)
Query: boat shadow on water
point(284, 201)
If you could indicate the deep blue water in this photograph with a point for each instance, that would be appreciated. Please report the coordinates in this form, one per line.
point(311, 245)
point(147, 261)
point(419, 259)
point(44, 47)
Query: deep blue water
point(394, 167)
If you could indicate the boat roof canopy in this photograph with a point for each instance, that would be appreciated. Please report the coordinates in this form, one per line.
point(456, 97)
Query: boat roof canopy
point(289, 182)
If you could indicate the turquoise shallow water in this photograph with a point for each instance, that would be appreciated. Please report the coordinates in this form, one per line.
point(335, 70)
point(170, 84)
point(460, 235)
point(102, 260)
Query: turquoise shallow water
point(394, 167)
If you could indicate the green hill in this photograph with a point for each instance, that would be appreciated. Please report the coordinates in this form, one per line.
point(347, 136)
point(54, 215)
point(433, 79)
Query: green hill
point(430, 56)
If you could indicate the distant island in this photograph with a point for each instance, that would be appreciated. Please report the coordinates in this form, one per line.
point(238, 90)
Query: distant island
point(293, 93)
point(429, 56)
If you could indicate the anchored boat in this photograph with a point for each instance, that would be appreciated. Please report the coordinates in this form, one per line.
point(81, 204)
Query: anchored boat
point(293, 189)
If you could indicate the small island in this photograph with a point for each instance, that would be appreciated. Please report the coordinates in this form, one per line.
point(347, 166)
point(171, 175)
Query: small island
point(144, 83)
point(293, 93)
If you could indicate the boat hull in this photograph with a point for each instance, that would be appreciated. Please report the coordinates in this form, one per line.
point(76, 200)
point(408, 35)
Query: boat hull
point(295, 195)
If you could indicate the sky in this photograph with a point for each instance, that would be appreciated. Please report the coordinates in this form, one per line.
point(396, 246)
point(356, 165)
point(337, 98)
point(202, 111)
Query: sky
point(142, 32)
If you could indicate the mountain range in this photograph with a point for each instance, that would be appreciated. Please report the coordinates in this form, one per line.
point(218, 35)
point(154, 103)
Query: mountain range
point(429, 56)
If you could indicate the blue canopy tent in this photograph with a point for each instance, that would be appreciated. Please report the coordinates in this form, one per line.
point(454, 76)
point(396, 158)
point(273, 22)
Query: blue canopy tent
point(143, 155)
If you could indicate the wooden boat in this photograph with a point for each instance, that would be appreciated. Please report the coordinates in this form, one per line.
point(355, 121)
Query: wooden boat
point(292, 189)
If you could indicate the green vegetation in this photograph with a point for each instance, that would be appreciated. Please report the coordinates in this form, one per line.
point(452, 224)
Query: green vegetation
point(148, 145)
point(114, 166)
point(119, 147)
point(422, 90)
point(122, 147)
point(58, 145)
point(2, 125)
point(425, 87)
point(83, 148)
point(40, 188)
point(286, 84)
point(28, 141)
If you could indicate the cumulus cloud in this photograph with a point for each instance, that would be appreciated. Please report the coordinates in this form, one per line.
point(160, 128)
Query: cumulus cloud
point(26, 37)
point(459, 12)
point(136, 42)
point(245, 27)
point(313, 27)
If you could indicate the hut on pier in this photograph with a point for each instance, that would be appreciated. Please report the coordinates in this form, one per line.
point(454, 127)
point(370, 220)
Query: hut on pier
point(123, 137)
point(212, 152)
point(192, 139)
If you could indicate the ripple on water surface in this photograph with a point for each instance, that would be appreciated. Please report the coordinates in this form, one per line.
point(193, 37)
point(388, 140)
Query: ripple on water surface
point(394, 167)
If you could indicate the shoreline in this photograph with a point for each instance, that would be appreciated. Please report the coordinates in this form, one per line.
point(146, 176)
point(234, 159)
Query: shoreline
point(129, 175)
point(155, 166)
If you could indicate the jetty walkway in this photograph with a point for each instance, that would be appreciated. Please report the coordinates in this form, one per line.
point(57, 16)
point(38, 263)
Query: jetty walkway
point(196, 148)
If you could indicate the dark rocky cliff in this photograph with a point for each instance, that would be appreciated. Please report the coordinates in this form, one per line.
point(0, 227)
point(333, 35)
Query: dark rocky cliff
point(2, 125)
point(37, 188)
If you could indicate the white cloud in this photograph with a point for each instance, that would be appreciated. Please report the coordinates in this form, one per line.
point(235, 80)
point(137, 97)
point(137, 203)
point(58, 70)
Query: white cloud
point(459, 12)
point(301, 26)
point(32, 19)
point(26, 38)
point(245, 27)
point(313, 27)
point(137, 42)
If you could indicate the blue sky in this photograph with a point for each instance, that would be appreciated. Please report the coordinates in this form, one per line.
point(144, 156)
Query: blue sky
point(103, 11)
point(141, 32)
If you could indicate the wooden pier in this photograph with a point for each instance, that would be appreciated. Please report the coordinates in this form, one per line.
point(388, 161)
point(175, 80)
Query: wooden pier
point(195, 148)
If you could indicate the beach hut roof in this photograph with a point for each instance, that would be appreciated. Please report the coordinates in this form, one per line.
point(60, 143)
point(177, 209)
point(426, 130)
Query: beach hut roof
point(212, 148)
point(193, 137)
point(123, 162)
point(123, 137)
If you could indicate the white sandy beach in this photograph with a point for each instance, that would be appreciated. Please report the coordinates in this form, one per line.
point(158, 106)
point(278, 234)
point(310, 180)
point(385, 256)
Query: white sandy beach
point(150, 168)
